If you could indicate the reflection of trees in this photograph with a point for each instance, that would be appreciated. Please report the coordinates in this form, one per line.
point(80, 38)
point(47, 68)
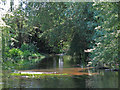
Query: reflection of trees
point(78, 61)
point(61, 63)
point(54, 63)
point(80, 81)
point(104, 80)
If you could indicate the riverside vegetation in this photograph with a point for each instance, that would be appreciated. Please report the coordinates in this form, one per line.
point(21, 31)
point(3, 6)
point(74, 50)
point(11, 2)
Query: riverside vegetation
point(38, 29)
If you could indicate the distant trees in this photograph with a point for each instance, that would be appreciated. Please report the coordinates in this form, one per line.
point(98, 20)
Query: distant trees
point(67, 28)
point(52, 24)
point(83, 29)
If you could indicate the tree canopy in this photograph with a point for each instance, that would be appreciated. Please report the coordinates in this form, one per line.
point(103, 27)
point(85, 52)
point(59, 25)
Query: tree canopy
point(68, 28)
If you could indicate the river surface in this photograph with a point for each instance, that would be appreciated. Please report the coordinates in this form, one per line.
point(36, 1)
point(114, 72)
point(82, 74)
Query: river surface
point(78, 77)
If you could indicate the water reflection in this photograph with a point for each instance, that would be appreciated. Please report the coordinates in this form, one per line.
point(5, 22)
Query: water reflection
point(54, 63)
point(60, 63)
point(80, 77)
point(104, 80)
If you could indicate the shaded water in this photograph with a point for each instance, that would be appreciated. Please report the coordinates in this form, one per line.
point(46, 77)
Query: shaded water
point(79, 77)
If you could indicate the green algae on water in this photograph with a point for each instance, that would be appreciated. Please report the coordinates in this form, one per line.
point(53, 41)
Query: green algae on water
point(38, 75)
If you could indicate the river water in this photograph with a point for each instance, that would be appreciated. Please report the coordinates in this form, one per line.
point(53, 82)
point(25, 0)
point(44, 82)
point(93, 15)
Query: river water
point(80, 77)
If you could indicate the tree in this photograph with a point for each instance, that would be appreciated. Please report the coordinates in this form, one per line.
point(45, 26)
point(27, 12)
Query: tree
point(106, 49)
point(83, 29)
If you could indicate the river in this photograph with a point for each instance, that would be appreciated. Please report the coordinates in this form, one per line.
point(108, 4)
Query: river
point(80, 77)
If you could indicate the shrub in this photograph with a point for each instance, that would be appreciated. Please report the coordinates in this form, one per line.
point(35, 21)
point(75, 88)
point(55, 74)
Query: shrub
point(24, 47)
point(28, 47)
point(14, 52)
point(26, 53)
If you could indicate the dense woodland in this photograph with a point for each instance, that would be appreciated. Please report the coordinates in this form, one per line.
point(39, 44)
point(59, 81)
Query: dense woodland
point(36, 29)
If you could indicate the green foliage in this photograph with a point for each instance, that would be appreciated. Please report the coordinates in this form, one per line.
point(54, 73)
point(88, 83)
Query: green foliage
point(28, 48)
point(52, 27)
point(24, 47)
point(106, 49)
point(36, 55)
point(26, 54)
point(25, 51)
point(14, 52)
point(64, 28)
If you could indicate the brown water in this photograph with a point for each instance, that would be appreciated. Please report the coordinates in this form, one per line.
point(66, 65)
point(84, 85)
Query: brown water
point(78, 77)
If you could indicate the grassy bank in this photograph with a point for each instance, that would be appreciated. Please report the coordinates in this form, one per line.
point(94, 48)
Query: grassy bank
point(23, 63)
point(23, 57)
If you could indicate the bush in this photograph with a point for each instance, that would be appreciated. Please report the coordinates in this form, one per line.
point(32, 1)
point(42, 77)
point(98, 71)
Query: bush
point(36, 55)
point(14, 52)
point(26, 53)
point(24, 47)
point(28, 47)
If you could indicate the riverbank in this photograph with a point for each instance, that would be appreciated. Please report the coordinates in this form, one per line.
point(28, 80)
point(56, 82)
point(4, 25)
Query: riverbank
point(22, 63)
